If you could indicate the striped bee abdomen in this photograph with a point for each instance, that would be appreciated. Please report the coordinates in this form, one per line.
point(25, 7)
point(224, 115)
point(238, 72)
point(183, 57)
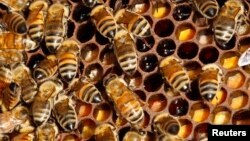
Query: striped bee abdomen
point(41, 110)
point(29, 90)
point(209, 9)
point(68, 120)
point(89, 93)
point(54, 37)
point(15, 22)
point(11, 96)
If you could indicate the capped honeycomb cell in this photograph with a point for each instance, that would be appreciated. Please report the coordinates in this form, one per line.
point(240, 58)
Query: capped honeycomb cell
point(199, 112)
point(94, 72)
point(241, 117)
point(187, 50)
point(182, 12)
point(221, 115)
point(102, 112)
point(208, 55)
point(164, 28)
point(234, 79)
point(238, 99)
point(205, 36)
point(229, 60)
point(148, 62)
point(86, 128)
point(185, 32)
point(178, 107)
point(157, 102)
point(89, 52)
point(166, 47)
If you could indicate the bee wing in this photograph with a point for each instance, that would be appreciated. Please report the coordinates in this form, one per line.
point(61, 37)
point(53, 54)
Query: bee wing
point(244, 58)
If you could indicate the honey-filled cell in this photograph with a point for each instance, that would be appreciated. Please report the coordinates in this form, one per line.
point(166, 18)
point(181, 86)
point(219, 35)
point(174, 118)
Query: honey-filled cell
point(186, 127)
point(85, 32)
point(234, 79)
point(102, 112)
point(148, 62)
point(164, 28)
point(208, 55)
point(149, 82)
point(199, 112)
point(220, 97)
point(178, 107)
point(86, 128)
point(81, 13)
point(182, 12)
point(157, 102)
point(166, 47)
point(221, 115)
point(187, 50)
point(229, 60)
point(238, 99)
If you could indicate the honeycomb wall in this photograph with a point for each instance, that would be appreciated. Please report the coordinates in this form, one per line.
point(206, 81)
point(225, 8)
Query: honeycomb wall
point(97, 60)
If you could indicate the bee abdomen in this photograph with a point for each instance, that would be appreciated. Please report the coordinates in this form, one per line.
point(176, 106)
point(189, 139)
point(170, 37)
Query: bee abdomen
point(208, 90)
point(29, 90)
point(180, 81)
point(141, 28)
point(11, 96)
point(36, 32)
point(224, 33)
point(41, 114)
point(15, 22)
point(107, 27)
point(208, 9)
point(90, 94)
point(68, 121)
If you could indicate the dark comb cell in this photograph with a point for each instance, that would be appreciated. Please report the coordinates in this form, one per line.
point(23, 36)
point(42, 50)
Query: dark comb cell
point(187, 50)
point(148, 63)
point(178, 107)
point(166, 47)
point(145, 44)
point(81, 13)
point(182, 12)
point(208, 55)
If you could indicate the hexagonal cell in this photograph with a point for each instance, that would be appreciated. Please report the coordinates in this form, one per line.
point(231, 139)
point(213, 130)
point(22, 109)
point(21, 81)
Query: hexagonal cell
point(243, 44)
point(178, 107)
point(141, 95)
point(71, 29)
point(70, 137)
point(164, 28)
point(141, 6)
point(229, 45)
point(208, 55)
point(145, 44)
point(205, 36)
point(199, 112)
point(186, 128)
point(149, 82)
point(166, 47)
point(200, 132)
point(94, 72)
point(160, 10)
point(241, 117)
point(107, 55)
point(221, 115)
point(146, 120)
point(83, 109)
point(220, 97)
point(187, 50)
point(134, 81)
point(86, 128)
point(89, 52)
point(238, 99)
point(229, 60)
point(234, 79)
point(185, 31)
point(101, 39)
point(85, 32)
point(102, 112)
point(81, 13)
point(193, 69)
point(148, 62)
point(182, 12)
point(157, 102)
point(34, 61)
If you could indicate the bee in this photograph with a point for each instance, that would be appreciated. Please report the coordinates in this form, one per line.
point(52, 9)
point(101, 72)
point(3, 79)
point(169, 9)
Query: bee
point(125, 101)
point(11, 56)
point(175, 74)
point(11, 96)
point(65, 113)
point(15, 5)
point(169, 138)
point(10, 40)
point(9, 120)
point(135, 136)
point(36, 20)
point(134, 22)
point(227, 23)
point(56, 26)
point(210, 81)
point(5, 76)
point(24, 137)
point(125, 51)
point(104, 21)
point(106, 132)
point(68, 61)
point(86, 91)
point(43, 102)
point(208, 9)
point(47, 131)
point(167, 125)
point(46, 68)
point(4, 137)
point(15, 22)
point(91, 3)
point(22, 76)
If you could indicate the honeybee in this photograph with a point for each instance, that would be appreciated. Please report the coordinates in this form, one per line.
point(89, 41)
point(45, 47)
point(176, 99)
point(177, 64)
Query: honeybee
point(24, 137)
point(104, 21)
point(4, 137)
point(86, 91)
point(227, 23)
point(15, 5)
point(175, 74)
point(210, 81)
point(56, 26)
point(125, 51)
point(65, 113)
point(106, 132)
point(50, 88)
point(10, 40)
point(68, 61)
point(125, 101)
point(46, 68)
point(167, 125)
point(135, 136)
point(11, 56)
point(47, 131)
point(9, 120)
point(11, 96)
point(208, 9)
point(15, 22)
point(91, 3)
point(5, 77)
point(36, 20)
point(135, 23)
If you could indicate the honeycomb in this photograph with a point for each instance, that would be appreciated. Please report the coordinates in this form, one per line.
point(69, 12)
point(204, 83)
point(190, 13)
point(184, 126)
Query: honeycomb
point(195, 50)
